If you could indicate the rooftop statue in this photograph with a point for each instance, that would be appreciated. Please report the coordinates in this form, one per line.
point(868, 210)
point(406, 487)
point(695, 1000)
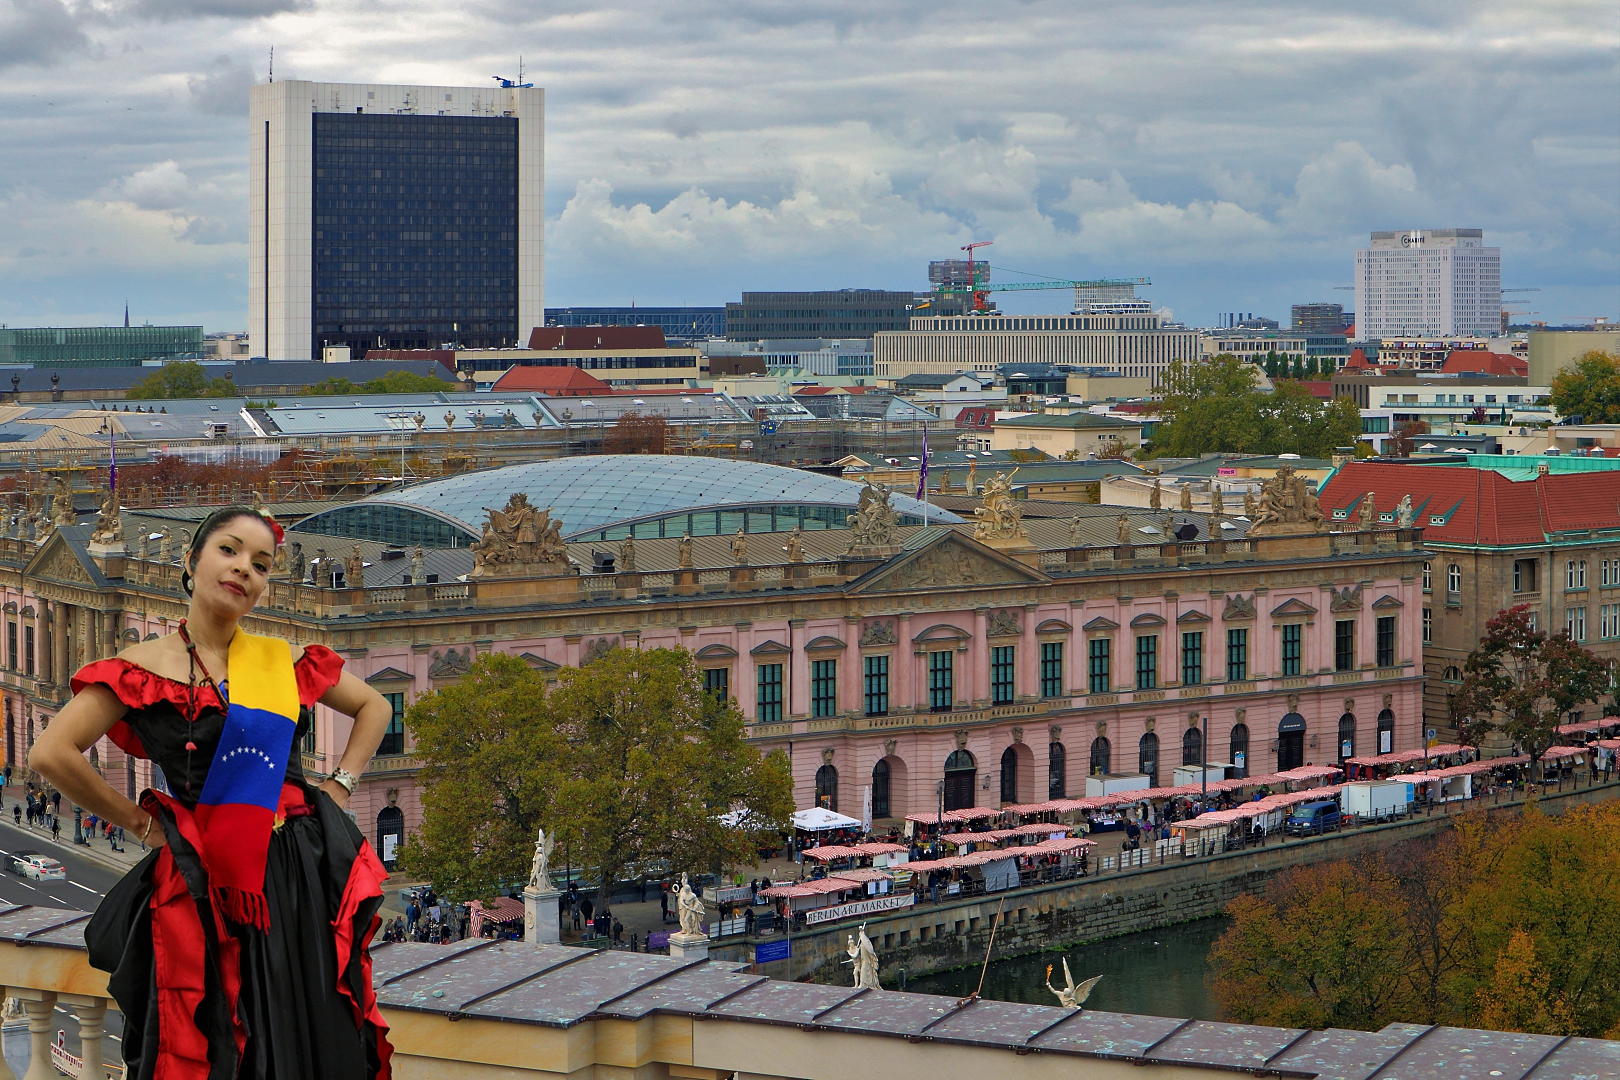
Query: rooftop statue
point(520, 541)
point(1000, 518)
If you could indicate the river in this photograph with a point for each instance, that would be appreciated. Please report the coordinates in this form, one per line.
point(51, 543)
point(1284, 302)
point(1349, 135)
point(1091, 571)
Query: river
point(1160, 973)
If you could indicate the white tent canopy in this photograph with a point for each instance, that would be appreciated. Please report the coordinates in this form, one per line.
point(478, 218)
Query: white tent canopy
point(820, 819)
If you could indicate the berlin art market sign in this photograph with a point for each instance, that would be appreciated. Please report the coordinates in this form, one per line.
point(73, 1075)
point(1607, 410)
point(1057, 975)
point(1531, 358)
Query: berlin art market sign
point(860, 907)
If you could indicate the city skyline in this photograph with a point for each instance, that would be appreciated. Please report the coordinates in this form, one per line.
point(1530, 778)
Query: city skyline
point(1237, 154)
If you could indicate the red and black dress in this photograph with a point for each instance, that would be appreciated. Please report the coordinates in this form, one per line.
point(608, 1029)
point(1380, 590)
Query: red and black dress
point(206, 998)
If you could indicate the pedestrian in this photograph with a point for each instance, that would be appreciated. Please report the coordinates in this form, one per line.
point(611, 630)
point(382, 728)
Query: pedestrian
point(56, 803)
point(56, 829)
point(412, 914)
point(663, 904)
point(16, 814)
point(618, 932)
point(586, 907)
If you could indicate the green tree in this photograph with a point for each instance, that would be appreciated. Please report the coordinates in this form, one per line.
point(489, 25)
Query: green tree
point(1589, 389)
point(1312, 369)
point(407, 382)
point(1273, 366)
point(182, 379)
point(1529, 678)
point(1299, 368)
point(627, 760)
point(1216, 406)
point(332, 384)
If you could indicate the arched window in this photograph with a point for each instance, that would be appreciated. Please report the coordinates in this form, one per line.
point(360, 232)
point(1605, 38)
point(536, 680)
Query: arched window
point(391, 834)
point(1386, 732)
point(1147, 758)
point(1057, 768)
point(1452, 673)
point(1192, 747)
point(960, 771)
point(1453, 578)
point(880, 789)
point(1009, 776)
point(1240, 748)
point(1347, 736)
point(1101, 756)
point(827, 787)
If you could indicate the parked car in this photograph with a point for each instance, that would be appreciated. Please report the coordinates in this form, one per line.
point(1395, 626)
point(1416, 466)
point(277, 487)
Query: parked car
point(1312, 818)
point(31, 864)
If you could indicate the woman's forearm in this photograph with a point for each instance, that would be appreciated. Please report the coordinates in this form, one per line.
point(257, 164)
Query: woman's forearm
point(75, 778)
point(370, 724)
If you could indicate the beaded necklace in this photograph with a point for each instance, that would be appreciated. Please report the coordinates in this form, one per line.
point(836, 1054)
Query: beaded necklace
point(193, 662)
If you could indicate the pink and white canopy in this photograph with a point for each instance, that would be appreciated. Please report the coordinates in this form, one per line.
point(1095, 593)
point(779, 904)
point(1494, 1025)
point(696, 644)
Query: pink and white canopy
point(849, 851)
point(1403, 756)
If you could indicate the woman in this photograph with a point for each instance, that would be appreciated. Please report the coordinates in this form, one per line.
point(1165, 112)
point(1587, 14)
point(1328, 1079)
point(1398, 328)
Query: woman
point(237, 948)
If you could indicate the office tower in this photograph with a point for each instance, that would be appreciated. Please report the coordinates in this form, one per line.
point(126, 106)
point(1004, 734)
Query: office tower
point(1318, 318)
point(1434, 282)
point(395, 217)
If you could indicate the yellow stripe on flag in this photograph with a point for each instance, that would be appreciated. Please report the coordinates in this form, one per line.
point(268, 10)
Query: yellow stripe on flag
point(261, 675)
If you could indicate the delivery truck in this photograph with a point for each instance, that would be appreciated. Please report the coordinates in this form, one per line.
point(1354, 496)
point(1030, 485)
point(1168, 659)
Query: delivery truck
point(1376, 800)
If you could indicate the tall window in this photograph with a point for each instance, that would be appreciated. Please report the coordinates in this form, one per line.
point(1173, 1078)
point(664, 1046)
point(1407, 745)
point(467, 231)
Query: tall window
point(941, 690)
point(1428, 626)
point(1386, 641)
point(1102, 756)
point(1009, 776)
point(1192, 747)
point(1240, 748)
point(1098, 676)
point(880, 789)
point(824, 688)
point(1575, 574)
point(1575, 623)
point(717, 681)
point(11, 645)
point(768, 702)
point(1453, 579)
point(877, 685)
point(1237, 655)
point(1428, 576)
point(1344, 645)
point(1347, 736)
point(1524, 575)
point(1192, 658)
point(827, 787)
point(393, 740)
point(1610, 614)
point(1293, 635)
point(28, 650)
point(1051, 669)
point(1386, 732)
point(1003, 690)
point(1057, 765)
point(1147, 661)
point(1147, 758)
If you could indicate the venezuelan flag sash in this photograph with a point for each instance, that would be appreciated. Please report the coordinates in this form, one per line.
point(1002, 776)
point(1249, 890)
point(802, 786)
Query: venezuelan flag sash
point(237, 807)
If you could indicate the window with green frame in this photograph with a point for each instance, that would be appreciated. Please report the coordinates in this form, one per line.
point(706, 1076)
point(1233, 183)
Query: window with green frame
point(1003, 687)
point(1147, 661)
point(1097, 661)
point(1237, 655)
point(1344, 645)
point(941, 689)
point(1192, 658)
point(1051, 669)
point(393, 740)
point(768, 696)
point(824, 688)
point(1293, 638)
point(877, 685)
point(717, 681)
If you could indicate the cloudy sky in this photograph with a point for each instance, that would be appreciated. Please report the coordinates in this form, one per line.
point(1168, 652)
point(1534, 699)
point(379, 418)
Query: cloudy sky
point(1234, 152)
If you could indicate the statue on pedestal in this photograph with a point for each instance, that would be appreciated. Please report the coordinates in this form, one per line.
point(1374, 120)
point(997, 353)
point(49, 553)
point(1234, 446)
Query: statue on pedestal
point(1288, 507)
point(874, 524)
point(1367, 512)
point(295, 563)
point(690, 909)
point(1403, 512)
point(1156, 500)
point(739, 548)
point(1186, 497)
point(62, 503)
point(355, 572)
point(165, 546)
point(795, 552)
point(323, 569)
point(627, 556)
point(419, 566)
point(1248, 505)
point(683, 552)
point(1074, 531)
point(863, 957)
point(539, 880)
point(1124, 530)
point(1000, 518)
point(1216, 508)
point(520, 540)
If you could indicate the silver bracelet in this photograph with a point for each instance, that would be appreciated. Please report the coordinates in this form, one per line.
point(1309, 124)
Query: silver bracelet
point(345, 778)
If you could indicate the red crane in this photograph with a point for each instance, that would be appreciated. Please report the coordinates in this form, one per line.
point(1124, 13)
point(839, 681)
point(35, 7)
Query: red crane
point(979, 298)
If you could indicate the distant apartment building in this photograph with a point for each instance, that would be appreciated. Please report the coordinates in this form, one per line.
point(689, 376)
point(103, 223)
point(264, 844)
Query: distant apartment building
point(99, 346)
point(683, 324)
point(394, 217)
point(840, 313)
point(1330, 351)
point(1137, 344)
point(1437, 282)
point(1319, 318)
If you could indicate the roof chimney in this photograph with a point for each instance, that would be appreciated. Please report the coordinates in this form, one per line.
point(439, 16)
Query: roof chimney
point(1541, 469)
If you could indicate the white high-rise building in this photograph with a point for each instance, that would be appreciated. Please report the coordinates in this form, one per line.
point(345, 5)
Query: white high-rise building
point(394, 217)
point(1434, 282)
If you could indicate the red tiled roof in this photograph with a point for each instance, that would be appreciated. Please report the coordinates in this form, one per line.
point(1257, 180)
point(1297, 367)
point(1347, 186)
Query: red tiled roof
point(1318, 388)
point(1358, 361)
point(556, 381)
point(1485, 362)
point(597, 337)
point(1478, 506)
point(976, 416)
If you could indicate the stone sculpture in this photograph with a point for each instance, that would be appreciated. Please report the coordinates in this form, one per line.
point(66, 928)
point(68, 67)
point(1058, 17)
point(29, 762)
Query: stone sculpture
point(295, 563)
point(874, 525)
point(109, 529)
point(1186, 497)
point(683, 552)
point(690, 909)
point(1000, 517)
point(863, 957)
point(1074, 531)
point(356, 569)
point(419, 566)
point(323, 569)
point(1403, 512)
point(165, 546)
point(62, 503)
point(520, 540)
point(1248, 505)
point(1124, 530)
point(1366, 512)
point(627, 555)
point(1216, 508)
point(1156, 499)
point(1288, 507)
point(1071, 996)
point(538, 877)
point(739, 548)
point(795, 549)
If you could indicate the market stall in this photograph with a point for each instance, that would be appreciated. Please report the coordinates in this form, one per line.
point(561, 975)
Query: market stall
point(503, 914)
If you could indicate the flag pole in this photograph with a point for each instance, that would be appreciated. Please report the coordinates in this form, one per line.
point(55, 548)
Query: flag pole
point(922, 476)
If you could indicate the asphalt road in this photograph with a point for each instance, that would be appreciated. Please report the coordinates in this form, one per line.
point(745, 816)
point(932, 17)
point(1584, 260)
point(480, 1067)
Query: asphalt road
point(87, 882)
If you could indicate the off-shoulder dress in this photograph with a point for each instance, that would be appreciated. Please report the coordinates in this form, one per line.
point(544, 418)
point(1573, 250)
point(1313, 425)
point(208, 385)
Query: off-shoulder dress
point(205, 998)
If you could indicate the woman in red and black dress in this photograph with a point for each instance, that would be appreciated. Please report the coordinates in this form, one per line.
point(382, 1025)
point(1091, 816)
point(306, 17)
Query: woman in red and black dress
point(217, 983)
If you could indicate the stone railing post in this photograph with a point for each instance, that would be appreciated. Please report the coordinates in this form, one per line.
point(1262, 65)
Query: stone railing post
point(40, 1010)
point(92, 1014)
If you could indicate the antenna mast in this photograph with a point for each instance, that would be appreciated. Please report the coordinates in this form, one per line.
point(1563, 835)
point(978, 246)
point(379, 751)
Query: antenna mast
point(272, 63)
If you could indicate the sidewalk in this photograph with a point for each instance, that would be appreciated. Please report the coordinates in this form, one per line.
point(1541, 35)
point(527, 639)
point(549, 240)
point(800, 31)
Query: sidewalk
point(96, 850)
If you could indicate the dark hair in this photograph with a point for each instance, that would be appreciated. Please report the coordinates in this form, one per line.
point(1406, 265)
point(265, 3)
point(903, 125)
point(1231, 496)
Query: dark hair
point(211, 525)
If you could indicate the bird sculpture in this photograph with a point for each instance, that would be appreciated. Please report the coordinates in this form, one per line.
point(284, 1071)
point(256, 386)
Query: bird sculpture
point(1071, 997)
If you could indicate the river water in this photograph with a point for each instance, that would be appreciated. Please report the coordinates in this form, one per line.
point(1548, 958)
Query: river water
point(1160, 973)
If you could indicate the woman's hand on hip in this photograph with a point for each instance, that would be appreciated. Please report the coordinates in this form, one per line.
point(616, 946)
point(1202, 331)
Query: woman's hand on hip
point(339, 793)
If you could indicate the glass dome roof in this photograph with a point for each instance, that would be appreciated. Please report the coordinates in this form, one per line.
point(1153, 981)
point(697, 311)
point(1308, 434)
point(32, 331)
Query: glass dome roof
point(591, 493)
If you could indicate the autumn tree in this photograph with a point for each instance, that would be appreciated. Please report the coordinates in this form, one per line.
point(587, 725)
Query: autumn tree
point(182, 379)
point(1589, 389)
point(635, 433)
point(1523, 681)
point(626, 761)
point(1404, 439)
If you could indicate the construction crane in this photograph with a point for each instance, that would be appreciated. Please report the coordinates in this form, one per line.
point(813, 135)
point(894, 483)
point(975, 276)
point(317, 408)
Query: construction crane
point(979, 294)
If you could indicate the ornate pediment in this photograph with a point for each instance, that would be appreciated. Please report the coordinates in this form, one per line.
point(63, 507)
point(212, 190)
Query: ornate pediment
point(770, 648)
point(1386, 602)
point(943, 634)
point(1238, 608)
point(57, 561)
point(948, 561)
point(824, 643)
point(390, 675)
point(1148, 618)
point(539, 663)
point(1292, 607)
point(1346, 599)
point(1192, 617)
point(450, 664)
point(1054, 626)
point(598, 649)
point(716, 652)
point(1101, 622)
point(1004, 623)
point(879, 632)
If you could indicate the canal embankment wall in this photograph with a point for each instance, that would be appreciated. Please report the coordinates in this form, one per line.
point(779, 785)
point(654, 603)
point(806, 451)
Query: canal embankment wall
point(938, 937)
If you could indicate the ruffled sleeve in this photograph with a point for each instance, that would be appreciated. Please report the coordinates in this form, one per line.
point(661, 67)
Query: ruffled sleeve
point(318, 670)
point(138, 688)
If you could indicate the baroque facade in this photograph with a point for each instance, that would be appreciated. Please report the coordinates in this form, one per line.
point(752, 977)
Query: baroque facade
point(936, 670)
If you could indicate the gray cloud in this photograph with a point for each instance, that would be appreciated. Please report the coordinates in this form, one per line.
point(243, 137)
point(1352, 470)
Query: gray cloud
point(37, 32)
point(173, 10)
point(222, 87)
